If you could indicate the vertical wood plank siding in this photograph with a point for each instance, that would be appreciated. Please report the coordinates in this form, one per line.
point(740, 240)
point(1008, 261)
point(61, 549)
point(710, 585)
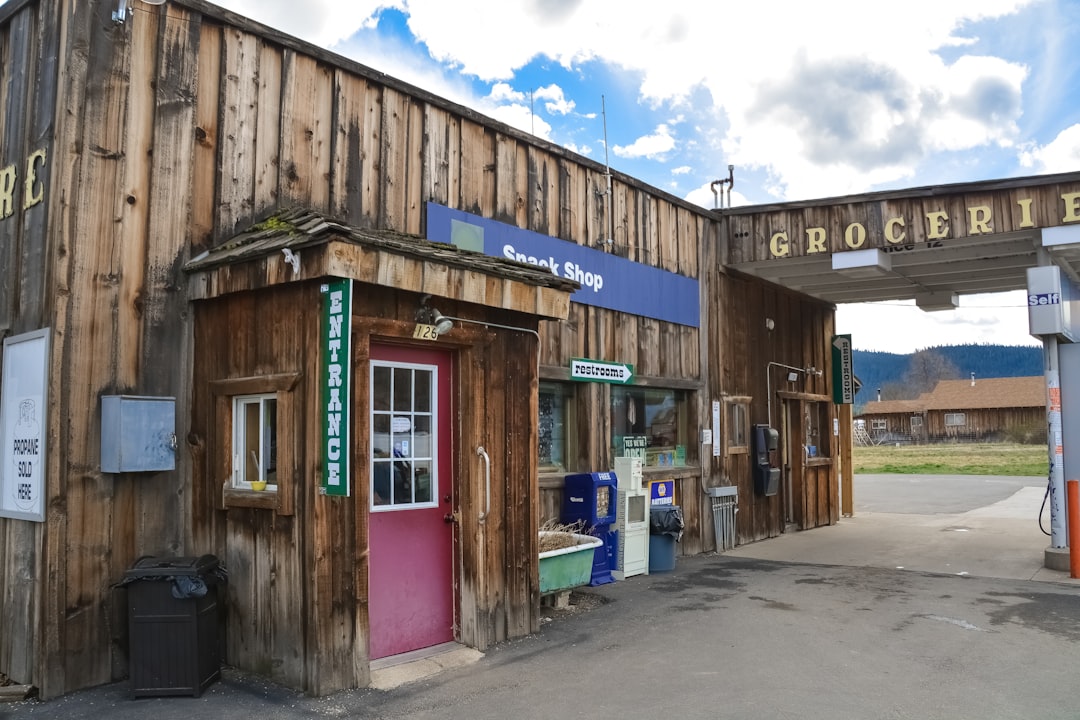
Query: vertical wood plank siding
point(28, 92)
point(165, 136)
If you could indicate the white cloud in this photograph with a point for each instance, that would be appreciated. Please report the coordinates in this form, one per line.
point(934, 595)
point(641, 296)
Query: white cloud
point(703, 196)
point(502, 92)
point(556, 102)
point(651, 146)
point(521, 117)
point(585, 150)
point(681, 170)
point(1062, 154)
point(323, 22)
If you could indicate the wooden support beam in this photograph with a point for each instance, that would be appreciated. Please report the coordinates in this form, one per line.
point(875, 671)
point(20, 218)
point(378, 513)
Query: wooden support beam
point(847, 470)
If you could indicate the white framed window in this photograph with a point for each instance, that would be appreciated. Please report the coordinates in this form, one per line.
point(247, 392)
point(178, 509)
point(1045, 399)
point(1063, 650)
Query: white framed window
point(404, 436)
point(879, 425)
point(254, 442)
point(955, 420)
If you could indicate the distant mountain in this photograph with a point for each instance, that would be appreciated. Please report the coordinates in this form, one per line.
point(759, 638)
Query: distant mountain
point(878, 369)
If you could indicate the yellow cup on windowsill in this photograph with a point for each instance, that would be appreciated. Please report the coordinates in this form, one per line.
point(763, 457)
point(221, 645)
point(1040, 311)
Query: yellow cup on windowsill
point(258, 485)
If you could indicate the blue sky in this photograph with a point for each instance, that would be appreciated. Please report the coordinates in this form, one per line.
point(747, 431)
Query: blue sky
point(806, 100)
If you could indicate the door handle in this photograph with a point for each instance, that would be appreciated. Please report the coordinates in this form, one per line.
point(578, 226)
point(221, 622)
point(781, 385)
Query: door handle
point(487, 481)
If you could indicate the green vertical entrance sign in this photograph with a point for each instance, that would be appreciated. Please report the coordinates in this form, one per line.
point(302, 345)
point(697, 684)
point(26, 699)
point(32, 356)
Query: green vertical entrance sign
point(335, 366)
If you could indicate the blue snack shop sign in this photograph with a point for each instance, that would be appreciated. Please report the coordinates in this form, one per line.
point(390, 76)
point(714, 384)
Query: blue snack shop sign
point(607, 280)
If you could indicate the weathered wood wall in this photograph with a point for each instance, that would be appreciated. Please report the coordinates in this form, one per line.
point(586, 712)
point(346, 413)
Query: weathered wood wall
point(894, 423)
point(29, 40)
point(84, 262)
point(741, 348)
point(271, 556)
point(978, 423)
point(168, 133)
point(310, 562)
point(984, 422)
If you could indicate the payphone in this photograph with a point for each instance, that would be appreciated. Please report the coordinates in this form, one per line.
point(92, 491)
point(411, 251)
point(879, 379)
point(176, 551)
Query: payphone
point(766, 475)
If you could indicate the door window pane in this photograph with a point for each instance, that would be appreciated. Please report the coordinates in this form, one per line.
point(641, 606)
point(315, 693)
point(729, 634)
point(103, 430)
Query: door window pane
point(380, 388)
point(403, 389)
point(403, 436)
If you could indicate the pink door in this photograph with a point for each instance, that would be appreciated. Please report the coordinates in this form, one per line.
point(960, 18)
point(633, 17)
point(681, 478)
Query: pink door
point(411, 579)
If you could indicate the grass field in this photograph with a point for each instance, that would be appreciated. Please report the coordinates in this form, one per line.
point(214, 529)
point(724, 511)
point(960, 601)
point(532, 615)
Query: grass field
point(952, 459)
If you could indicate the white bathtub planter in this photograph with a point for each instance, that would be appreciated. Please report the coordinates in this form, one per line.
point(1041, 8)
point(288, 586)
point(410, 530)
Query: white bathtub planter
point(566, 567)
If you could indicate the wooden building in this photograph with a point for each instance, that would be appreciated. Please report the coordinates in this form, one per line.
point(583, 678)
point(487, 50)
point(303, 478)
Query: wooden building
point(984, 409)
point(178, 186)
point(893, 421)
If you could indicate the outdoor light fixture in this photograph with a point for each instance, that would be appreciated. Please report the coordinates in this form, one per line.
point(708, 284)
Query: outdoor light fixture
point(862, 264)
point(442, 323)
point(121, 12)
point(431, 316)
point(934, 301)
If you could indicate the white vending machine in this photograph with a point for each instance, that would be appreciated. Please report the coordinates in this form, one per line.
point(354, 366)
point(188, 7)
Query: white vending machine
point(631, 520)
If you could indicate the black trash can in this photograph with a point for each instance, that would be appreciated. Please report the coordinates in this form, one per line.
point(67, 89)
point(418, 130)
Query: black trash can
point(665, 530)
point(173, 625)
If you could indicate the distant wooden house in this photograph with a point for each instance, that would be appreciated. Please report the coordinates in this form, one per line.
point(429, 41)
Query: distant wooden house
point(892, 420)
point(984, 409)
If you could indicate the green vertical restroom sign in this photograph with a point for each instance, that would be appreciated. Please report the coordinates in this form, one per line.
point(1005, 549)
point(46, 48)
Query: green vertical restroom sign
point(335, 350)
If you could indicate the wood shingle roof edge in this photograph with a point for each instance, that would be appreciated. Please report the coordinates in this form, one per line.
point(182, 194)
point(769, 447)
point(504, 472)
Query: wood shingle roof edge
point(297, 228)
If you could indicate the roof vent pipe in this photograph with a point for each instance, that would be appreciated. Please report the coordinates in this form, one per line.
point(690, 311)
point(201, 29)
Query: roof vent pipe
point(729, 181)
point(972, 379)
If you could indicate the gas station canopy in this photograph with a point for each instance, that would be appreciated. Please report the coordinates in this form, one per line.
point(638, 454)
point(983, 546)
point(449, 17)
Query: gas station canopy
point(928, 244)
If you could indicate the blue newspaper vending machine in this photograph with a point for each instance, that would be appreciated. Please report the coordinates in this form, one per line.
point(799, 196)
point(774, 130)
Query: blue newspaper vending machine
point(592, 499)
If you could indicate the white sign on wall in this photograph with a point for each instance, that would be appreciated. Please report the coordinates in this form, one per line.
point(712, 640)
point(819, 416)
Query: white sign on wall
point(716, 428)
point(23, 397)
